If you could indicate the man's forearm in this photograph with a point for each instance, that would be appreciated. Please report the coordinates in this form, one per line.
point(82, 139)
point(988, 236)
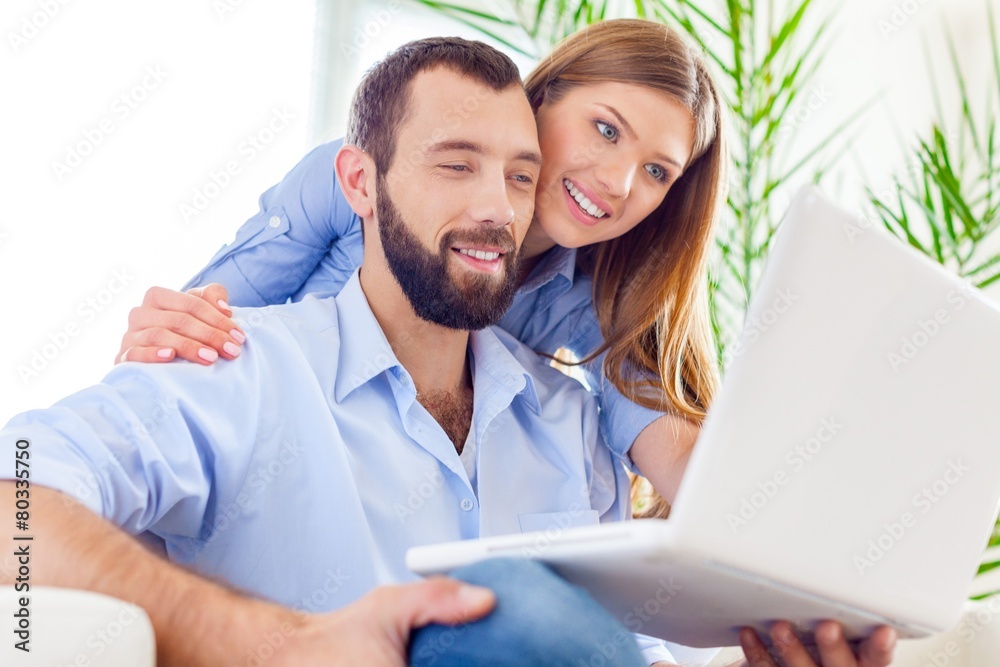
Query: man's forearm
point(196, 622)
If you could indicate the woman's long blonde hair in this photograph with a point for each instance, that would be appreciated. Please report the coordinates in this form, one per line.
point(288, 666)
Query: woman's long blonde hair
point(650, 284)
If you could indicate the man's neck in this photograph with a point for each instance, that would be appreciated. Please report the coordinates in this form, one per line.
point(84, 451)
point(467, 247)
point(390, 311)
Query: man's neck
point(433, 355)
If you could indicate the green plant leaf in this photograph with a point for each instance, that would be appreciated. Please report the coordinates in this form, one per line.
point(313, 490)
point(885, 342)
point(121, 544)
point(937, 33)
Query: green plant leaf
point(963, 93)
point(815, 150)
point(458, 10)
point(990, 263)
point(789, 28)
point(468, 17)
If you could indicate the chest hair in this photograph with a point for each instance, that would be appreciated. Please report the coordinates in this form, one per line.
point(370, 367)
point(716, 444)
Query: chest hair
point(453, 411)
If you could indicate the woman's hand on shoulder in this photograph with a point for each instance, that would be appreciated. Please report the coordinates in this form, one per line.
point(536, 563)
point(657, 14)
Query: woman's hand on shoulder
point(192, 325)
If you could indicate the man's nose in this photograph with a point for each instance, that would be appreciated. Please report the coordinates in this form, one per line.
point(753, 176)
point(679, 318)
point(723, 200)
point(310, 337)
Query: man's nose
point(491, 204)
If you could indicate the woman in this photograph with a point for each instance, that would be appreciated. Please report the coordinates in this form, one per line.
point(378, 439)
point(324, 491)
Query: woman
point(631, 134)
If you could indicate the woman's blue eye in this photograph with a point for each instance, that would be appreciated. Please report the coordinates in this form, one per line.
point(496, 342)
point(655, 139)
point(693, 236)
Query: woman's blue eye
point(657, 172)
point(609, 132)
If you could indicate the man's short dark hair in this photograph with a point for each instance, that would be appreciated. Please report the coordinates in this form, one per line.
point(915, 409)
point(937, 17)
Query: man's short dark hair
point(380, 103)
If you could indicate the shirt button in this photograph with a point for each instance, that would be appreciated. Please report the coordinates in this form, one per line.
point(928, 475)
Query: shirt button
point(275, 221)
point(466, 504)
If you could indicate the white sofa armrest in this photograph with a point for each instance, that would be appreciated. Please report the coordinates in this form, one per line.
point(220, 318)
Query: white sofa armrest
point(71, 627)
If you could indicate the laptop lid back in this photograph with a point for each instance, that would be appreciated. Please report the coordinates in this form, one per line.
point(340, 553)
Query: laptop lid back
point(854, 448)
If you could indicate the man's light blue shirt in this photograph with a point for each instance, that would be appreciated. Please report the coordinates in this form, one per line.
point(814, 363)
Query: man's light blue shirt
point(308, 460)
point(304, 469)
point(306, 240)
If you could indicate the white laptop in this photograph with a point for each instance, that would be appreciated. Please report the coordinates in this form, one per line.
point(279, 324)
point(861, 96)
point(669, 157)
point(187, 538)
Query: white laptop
point(849, 468)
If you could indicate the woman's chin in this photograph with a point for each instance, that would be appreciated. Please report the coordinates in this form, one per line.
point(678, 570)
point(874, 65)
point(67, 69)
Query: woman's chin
point(567, 232)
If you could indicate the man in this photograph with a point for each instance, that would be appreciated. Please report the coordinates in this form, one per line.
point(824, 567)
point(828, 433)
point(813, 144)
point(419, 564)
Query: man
point(349, 429)
point(352, 428)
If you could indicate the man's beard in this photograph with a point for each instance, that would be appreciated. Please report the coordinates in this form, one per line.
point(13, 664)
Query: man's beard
point(426, 281)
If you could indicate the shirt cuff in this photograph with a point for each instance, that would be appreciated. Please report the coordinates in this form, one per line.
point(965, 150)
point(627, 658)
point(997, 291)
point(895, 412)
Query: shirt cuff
point(229, 275)
point(52, 464)
point(621, 422)
point(686, 655)
point(653, 650)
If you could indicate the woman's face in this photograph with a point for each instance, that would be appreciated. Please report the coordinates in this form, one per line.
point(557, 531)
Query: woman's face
point(610, 152)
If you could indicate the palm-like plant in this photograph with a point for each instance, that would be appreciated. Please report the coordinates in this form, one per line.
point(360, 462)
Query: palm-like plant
point(948, 204)
point(767, 60)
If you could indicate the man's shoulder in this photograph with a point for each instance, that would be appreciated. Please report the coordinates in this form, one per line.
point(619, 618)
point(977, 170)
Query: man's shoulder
point(304, 324)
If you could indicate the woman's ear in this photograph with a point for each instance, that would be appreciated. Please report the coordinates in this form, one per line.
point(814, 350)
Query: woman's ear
point(356, 175)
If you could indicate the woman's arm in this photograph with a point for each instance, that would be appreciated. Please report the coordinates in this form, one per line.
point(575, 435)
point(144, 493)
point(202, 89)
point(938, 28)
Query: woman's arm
point(302, 240)
point(661, 453)
point(278, 249)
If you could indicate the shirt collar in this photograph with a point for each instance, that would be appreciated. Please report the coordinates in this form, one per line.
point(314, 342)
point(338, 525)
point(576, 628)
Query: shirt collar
point(558, 261)
point(493, 358)
point(365, 352)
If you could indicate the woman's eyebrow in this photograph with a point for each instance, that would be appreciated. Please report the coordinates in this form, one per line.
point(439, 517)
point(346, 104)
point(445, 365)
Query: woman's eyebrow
point(628, 129)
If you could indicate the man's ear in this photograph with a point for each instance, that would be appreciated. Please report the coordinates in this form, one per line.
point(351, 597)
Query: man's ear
point(356, 175)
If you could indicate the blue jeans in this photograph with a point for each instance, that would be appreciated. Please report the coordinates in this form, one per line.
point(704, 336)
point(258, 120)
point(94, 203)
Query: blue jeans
point(539, 619)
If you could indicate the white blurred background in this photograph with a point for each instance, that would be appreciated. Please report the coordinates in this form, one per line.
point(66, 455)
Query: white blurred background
point(168, 93)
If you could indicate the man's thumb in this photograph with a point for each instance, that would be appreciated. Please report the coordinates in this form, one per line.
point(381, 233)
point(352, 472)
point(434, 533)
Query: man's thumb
point(441, 600)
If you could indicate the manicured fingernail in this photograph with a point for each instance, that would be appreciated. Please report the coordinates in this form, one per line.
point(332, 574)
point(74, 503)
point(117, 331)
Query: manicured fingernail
point(238, 336)
point(231, 348)
point(475, 596)
point(223, 305)
point(208, 354)
point(164, 353)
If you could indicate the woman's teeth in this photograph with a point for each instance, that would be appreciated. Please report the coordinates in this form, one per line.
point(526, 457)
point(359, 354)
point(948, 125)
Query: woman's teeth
point(479, 254)
point(582, 200)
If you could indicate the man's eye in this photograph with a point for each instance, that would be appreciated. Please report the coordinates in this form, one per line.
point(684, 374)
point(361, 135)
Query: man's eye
point(609, 132)
point(523, 178)
point(457, 167)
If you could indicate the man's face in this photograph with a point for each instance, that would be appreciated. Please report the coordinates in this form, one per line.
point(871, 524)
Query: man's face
point(456, 201)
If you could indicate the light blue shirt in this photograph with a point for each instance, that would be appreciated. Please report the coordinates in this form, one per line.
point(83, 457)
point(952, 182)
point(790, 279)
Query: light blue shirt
point(303, 470)
point(313, 437)
point(306, 239)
